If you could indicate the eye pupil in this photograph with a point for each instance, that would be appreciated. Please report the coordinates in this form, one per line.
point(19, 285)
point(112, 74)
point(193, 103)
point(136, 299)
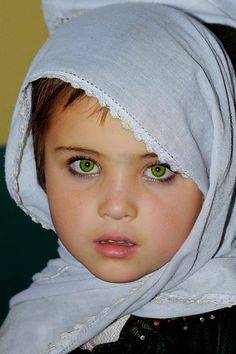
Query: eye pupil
point(86, 165)
point(158, 170)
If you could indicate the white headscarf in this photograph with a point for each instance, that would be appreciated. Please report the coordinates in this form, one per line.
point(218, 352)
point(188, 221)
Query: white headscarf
point(57, 12)
point(183, 107)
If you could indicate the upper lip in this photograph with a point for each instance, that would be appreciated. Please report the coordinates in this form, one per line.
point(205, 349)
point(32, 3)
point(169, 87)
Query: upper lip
point(114, 237)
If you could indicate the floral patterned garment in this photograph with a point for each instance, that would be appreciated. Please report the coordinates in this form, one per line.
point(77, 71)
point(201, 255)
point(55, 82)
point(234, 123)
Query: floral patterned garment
point(209, 333)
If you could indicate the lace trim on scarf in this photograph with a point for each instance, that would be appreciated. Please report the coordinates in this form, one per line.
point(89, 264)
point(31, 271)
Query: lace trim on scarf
point(116, 111)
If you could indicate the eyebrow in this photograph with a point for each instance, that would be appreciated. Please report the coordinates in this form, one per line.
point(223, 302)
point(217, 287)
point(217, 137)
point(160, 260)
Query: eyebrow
point(79, 149)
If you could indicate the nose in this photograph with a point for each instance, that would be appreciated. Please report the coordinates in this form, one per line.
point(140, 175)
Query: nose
point(117, 206)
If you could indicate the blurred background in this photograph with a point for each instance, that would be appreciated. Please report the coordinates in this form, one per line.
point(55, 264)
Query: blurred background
point(22, 32)
point(25, 247)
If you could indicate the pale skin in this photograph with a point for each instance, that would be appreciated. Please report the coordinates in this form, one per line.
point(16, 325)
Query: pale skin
point(114, 207)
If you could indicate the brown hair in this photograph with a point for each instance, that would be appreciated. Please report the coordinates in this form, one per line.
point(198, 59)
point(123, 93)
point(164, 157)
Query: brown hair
point(46, 93)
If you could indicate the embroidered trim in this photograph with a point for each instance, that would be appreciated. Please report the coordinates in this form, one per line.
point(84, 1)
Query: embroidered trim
point(173, 299)
point(108, 335)
point(69, 339)
point(61, 270)
point(117, 111)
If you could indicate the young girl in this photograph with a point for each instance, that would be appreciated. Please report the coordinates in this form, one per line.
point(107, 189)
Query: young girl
point(123, 142)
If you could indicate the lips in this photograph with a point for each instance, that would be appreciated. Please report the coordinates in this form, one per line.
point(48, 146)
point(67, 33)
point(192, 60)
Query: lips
point(119, 243)
point(115, 246)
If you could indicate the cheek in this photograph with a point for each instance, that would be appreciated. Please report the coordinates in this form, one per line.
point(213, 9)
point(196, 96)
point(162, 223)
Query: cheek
point(173, 212)
point(164, 216)
point(68, 202)
point(183, 212)
point(69, 209)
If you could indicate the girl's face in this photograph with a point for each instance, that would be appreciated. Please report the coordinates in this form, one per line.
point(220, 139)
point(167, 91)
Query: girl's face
point(114, 206)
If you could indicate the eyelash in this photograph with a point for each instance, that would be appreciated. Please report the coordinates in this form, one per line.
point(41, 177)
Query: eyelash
point(168, 179)
point(89, 175)
point(79, 174)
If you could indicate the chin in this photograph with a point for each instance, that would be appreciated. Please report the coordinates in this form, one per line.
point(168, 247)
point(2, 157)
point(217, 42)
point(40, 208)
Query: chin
point(119, 278)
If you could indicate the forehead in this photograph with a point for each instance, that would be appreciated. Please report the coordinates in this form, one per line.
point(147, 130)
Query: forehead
point(81, 124)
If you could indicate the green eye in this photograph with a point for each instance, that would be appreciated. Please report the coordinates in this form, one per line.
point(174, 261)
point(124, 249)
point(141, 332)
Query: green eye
point(82, 166)
point(86, 165)
point(159, 172)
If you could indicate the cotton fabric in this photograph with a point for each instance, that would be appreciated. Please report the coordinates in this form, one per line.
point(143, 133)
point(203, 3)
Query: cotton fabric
point(182, 86)
point(57, 12)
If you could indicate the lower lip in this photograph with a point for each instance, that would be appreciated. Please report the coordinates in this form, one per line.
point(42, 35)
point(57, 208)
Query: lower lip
point(114, 250)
